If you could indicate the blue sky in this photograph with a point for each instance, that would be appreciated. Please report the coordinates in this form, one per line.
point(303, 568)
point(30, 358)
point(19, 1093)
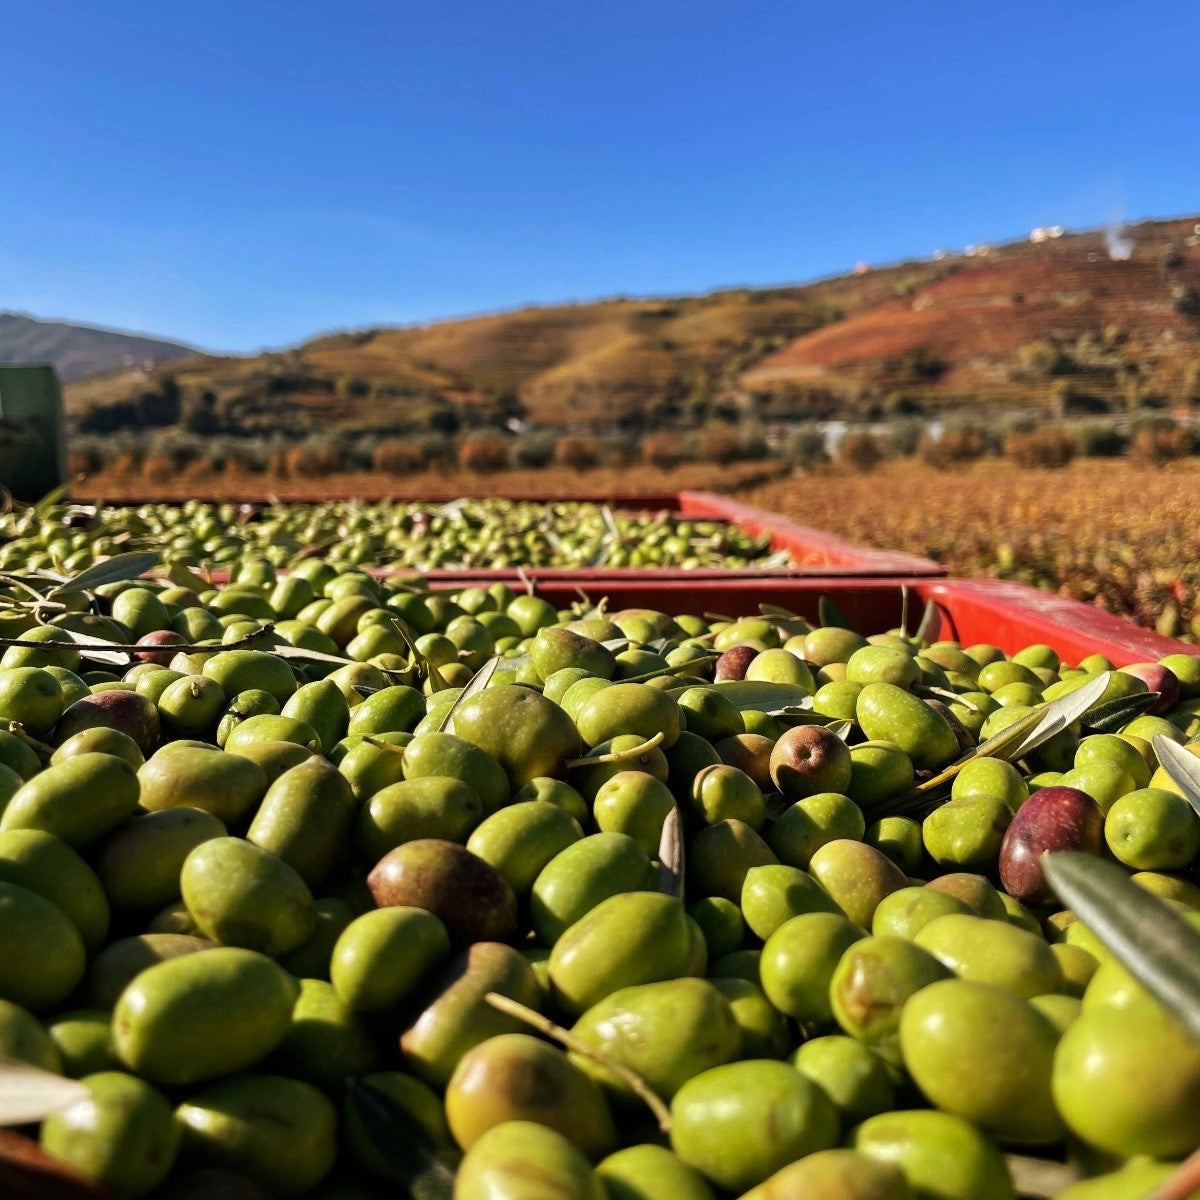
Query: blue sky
point(247, 174)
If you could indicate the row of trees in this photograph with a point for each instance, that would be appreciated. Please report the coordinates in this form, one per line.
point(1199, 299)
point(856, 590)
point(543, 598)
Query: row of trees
point(1152, 440)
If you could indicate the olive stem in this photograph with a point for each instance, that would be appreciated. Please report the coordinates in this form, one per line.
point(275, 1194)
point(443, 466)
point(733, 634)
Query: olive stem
point(678, 669)
point(1183, 1183)
point(617, 755)
point(40, 748)
point(635, 1082)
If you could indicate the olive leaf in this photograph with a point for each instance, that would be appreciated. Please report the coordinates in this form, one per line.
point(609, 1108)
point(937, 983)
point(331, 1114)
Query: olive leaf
point(904, 594)
point(437, 681)
point(1022, 737)
point(950, 697)
point(28, 1094)
point(773, 612)
point(684, 668)
point(1039, 1178)
point(1150, 940)
point(830, 614)
point(304, 655)
point(995, 747)
point(931, 624)
point(671, 855)
point(1116, 714)
point(401, 1144)
point(764, 696)
point(112, 570)
point(841, 729)
point(1056, 715)
point(475, 684)
point(1182, 766)
point(609, 522)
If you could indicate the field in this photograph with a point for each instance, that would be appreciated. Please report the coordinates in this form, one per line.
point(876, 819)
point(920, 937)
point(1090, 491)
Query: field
point(1108, 532)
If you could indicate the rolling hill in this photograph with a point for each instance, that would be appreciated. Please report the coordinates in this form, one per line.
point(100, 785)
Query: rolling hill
point(1054, 325)
point(77, 351)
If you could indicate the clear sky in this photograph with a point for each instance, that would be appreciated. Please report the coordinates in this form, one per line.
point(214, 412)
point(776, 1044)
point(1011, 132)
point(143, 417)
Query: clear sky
point(246, 173)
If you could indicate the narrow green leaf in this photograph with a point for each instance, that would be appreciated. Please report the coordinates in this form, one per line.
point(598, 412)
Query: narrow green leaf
point(401, 1145)
point(1182, 766)
point(283, 650)
point(1151, 941)
point(475, 684)
point(946, 696)
point(764, 696)
point(95, 648)
point(830, 614)
point(1055, 716)
point(678, 669)
point(773, 612)
point(904, 610)
point(1116, 714)
point(931, 624)
point(112, 570)
point(1000, 746)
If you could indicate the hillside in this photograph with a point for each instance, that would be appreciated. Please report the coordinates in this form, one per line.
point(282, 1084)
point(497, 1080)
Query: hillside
point(1060, 324)
point(77, 351)
point(1054, 325)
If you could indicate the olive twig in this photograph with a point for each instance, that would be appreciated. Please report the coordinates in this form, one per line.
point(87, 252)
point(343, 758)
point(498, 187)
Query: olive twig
point(616, 756)
point(40, 748)
point(175, 647)
point(631, 1079)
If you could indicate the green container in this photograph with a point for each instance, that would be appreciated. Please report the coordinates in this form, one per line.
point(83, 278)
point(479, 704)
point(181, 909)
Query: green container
point(33, 454)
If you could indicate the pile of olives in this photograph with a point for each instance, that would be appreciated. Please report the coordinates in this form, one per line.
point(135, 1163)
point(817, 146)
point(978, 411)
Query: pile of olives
point(309, 912)
point(490, 534)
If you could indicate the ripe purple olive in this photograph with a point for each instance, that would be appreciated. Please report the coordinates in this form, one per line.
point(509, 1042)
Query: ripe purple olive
point(168, 639)
point(809, 759)
point(734, 663)
point(469, 895)
point(117, 709)
point(1054, 818)
point(1157, 678)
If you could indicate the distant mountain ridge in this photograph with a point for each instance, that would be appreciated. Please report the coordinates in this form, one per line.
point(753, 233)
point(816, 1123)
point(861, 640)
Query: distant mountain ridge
point(77, 351)
point(1056, 323)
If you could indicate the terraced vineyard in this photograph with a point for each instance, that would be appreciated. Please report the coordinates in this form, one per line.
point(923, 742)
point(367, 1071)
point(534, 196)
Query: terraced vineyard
point(1107, 532)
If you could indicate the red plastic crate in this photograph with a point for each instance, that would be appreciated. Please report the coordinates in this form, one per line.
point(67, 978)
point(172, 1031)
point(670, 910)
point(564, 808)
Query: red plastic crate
point(1008, 615)
point(813, 550)
point(809, 547)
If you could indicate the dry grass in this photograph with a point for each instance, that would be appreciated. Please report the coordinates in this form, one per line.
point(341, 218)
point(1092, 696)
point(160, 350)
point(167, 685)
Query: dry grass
point(1110, 532)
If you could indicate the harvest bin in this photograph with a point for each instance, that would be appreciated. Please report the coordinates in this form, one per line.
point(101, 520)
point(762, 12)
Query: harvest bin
point(813, 551)
point(1009, 615)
